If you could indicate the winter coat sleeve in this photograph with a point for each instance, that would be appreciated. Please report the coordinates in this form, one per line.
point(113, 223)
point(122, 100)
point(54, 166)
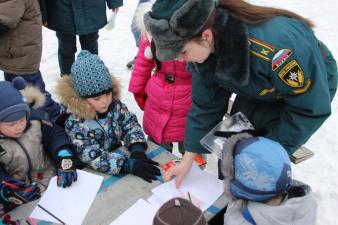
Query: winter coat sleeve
point(302, 83)
point(209, 105)
point(113, 4)
point(89, 151)
point(142, 69)
point(43, 9)
point(55, 138)
point(131, 130)
point(11, 12)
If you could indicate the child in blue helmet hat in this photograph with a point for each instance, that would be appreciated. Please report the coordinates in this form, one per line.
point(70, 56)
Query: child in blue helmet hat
point(258, 181)
point(98, 123)
point(25, 139)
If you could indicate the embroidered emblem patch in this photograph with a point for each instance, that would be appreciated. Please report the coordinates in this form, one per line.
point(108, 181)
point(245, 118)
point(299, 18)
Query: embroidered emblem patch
point(292, 74)
point(66, 164)
point(280, 57)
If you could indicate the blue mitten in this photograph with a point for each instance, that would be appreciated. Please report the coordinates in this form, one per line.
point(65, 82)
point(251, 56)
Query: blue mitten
point(66, 168)
point(18, 192)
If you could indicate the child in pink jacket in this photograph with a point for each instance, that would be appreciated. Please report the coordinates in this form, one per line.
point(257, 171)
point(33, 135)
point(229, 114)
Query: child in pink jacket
point(163, 91)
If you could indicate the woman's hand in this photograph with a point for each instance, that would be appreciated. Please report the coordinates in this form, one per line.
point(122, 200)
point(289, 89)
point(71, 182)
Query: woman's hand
point(181, 170)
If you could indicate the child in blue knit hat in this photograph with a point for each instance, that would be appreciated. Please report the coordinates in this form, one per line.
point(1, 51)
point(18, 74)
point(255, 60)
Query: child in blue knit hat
point(257, 174)
point(25, 136)
point(97, 121)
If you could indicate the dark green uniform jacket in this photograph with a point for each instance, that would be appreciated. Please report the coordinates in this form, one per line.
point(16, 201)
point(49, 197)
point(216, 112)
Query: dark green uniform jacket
point(77, 16)
point(284, 78)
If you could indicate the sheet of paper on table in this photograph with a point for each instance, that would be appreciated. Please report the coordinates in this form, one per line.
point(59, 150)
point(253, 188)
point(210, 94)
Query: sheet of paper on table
point(69, 204)
point(141, 213)
point(203, 187)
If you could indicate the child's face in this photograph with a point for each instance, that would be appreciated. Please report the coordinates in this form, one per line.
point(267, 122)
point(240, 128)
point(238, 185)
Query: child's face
point(101, 103)
point(13, 129)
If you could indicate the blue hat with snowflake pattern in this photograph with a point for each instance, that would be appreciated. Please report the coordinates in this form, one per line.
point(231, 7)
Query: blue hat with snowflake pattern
point(90, 76)
point(262, 169)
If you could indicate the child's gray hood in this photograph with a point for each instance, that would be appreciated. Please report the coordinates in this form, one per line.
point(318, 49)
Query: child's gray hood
point(294, 211)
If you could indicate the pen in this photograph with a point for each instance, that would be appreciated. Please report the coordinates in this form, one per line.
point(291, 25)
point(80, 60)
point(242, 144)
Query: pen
point(10, 185)
point(51, 214)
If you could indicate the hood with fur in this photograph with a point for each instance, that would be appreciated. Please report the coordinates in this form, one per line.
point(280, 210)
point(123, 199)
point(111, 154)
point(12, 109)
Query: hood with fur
point(77, 105)
point(140, 11)
point(34, 97)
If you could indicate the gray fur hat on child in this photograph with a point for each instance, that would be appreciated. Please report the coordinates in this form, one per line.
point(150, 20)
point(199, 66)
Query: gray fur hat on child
point(90, 76)
point(172, 22)
point(179, 211)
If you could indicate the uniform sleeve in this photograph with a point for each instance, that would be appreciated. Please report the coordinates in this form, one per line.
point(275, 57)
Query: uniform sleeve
point(131, 129)
point(209, 105)
point(11, 13)
point(302, 83)
point(113, 4)
point(89, 151)
point(142, 68)
point(44, 11)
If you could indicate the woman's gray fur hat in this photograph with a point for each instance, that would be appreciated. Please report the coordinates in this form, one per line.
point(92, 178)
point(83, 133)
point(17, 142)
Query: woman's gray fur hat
point(173, 22)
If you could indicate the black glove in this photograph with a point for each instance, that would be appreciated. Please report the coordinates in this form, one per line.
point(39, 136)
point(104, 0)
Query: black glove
point(255, 133)
point(143, 167)
point(66, 168)
point(18, 192)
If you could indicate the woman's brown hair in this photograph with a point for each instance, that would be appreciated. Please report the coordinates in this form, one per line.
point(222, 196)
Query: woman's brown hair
point(253, 14)
point(153, 52)
point(250, 14)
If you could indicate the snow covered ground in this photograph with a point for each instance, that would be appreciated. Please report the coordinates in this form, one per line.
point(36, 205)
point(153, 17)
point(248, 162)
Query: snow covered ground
point(117, 47)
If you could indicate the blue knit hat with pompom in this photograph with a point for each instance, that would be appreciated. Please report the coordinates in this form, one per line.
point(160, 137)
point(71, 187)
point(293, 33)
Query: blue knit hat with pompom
point(90, 76)
point(12, 104)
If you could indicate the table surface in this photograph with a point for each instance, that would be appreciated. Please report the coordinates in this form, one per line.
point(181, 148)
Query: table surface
point(117, 194)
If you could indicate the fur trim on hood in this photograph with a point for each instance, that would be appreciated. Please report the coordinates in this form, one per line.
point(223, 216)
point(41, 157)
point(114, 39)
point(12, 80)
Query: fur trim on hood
point(34, 97)
point(140, 11)
point(76, 105)
point(228, 161)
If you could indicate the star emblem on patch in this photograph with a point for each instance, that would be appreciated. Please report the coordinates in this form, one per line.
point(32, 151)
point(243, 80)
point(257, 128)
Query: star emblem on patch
point(292, 74)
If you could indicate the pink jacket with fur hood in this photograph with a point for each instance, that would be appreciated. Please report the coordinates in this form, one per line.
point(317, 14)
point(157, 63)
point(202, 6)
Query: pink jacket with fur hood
point(168, 95)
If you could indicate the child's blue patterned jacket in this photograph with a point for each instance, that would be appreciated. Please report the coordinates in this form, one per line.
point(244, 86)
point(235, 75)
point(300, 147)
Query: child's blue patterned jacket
point(97, 136)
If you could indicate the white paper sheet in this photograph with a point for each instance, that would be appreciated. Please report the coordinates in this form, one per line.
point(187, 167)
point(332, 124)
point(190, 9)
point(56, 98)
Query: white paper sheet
point(204, 188)
point(141, 213)
point(155, 202)
point(69, 204)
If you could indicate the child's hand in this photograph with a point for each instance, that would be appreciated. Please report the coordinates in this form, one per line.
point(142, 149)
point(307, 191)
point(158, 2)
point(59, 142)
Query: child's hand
point(18, 192)
point(144, 167)
point(66, 168)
